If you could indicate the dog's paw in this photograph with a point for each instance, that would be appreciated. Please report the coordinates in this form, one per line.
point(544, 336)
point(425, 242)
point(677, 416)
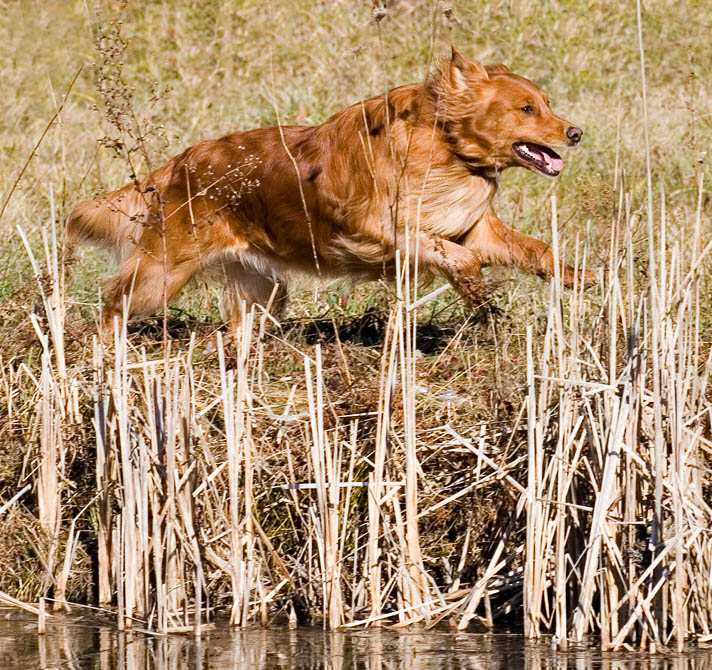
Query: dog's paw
point(586, 279)
point(589, 279)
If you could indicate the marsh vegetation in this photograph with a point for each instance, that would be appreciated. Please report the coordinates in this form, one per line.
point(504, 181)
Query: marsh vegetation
point(383, 456)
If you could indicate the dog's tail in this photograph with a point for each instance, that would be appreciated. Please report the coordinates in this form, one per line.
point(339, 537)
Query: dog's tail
point(113, 221)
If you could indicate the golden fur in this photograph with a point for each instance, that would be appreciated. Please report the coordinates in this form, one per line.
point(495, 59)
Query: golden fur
point(338, 199)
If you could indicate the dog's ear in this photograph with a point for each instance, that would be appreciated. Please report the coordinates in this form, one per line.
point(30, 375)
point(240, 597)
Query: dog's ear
point(464, 70)
point(497, 69)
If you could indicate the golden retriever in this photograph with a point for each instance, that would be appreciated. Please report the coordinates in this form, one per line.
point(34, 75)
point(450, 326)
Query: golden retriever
point(411, 171)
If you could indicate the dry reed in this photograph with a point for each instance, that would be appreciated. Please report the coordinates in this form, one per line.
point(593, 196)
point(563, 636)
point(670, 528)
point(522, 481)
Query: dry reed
point(616, 538)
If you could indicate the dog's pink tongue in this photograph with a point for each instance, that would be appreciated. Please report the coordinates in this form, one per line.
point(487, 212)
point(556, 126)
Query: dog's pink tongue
point(554, 163)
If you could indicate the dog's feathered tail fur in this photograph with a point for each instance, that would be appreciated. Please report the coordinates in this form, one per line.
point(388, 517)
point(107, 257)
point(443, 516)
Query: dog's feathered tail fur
point(115, 221)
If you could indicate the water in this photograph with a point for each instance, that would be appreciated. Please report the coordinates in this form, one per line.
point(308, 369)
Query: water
point(81, 644)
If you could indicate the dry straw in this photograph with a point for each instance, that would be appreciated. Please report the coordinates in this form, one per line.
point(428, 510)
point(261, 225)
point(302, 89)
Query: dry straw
point(616, 540)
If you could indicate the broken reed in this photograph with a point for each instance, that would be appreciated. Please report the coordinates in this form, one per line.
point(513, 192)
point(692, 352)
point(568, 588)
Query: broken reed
point(611, 510)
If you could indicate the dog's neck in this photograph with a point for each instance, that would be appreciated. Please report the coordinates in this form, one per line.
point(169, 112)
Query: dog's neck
point(484, 171)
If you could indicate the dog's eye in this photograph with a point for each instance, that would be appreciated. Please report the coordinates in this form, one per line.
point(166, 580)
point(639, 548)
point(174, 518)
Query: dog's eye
point(528, 109)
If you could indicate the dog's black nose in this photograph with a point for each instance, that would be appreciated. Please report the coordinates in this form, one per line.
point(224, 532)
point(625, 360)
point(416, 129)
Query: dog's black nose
point(574, 134)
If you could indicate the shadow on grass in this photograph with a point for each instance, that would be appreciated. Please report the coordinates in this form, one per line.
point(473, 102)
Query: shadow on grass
point(369, 328)
point(366, 330)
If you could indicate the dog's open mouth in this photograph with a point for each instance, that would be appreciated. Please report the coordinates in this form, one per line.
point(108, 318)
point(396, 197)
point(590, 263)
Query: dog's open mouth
point(543, 159)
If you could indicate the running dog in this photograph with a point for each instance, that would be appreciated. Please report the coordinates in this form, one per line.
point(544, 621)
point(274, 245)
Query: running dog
point(412, 171)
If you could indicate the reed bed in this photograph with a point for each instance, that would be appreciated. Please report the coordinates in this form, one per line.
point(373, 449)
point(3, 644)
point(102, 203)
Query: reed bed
point(617, 503)
point(609, 527)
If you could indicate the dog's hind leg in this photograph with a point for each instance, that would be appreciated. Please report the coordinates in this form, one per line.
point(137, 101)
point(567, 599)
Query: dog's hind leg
point(495, 242)
point(147, 283)
point(243, 286)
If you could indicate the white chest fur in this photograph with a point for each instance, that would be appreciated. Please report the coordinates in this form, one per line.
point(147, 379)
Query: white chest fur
point(449, 206)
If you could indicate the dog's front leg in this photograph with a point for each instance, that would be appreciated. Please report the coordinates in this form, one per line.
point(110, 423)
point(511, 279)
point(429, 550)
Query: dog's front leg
point(459, 264)
point(495, 242)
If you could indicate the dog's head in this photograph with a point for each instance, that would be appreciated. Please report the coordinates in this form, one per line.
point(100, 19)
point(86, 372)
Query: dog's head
point(493, 118)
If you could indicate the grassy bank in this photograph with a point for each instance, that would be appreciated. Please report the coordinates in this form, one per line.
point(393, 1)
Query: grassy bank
point(375, 458)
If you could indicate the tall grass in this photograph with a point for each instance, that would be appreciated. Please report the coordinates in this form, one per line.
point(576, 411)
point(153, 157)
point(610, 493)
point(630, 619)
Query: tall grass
point(552, 471)
point(617, 539)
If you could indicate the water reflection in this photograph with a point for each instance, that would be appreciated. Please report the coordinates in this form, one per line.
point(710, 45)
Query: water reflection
point(76, 644)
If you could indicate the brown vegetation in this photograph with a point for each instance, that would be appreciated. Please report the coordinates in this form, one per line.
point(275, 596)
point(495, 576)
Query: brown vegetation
point(401, 460)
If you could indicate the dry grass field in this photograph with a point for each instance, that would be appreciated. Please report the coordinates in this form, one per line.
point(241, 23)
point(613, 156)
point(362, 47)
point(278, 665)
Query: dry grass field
point(376, 459)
